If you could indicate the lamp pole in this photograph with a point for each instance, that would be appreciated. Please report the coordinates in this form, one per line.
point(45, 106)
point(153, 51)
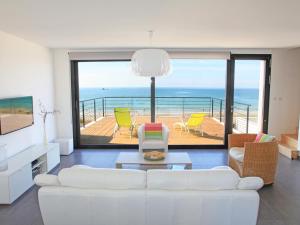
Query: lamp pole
point(153, 99)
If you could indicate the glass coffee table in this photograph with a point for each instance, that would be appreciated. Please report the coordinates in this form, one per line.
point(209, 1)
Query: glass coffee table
point(172, 159)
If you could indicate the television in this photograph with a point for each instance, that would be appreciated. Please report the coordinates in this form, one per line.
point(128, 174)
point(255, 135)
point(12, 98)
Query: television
point(15, 114)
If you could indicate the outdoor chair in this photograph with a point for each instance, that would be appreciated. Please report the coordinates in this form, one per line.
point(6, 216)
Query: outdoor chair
point(249, 158)
point(123, 120)
point(194, 122)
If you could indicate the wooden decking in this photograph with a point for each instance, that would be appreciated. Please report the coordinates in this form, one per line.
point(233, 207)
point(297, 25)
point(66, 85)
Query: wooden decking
point(101, 132)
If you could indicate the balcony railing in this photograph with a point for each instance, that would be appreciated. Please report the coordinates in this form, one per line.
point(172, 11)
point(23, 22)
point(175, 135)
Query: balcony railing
point(96, 108)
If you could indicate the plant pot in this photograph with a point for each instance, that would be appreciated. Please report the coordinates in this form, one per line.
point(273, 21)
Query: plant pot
point(45, 138)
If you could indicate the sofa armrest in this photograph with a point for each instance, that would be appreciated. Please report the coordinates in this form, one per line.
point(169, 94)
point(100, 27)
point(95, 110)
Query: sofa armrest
point(250, 183)
point(238, 140)
point(46, 180)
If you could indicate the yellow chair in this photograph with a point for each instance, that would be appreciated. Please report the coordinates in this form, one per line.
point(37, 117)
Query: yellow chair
point(123, 120)
point(194, 122)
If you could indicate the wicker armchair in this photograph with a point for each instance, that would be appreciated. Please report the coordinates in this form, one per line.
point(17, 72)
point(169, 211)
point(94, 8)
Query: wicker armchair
point(259, 159)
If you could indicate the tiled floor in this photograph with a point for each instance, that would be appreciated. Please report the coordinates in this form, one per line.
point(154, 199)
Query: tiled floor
point(280, 203)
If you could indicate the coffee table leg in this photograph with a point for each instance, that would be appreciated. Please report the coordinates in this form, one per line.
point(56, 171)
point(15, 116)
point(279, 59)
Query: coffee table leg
point(188, 166)
point(119, 165)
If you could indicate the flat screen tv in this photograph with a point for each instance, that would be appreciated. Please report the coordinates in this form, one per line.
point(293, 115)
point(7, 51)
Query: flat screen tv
point(15, 114)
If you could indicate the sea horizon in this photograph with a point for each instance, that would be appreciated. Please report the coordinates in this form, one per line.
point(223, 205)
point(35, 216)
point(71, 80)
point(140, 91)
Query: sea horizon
point(20, 105)
point(242, 95)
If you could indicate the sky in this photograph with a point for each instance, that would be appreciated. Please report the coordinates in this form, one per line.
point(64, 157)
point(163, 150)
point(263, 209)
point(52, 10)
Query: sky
point(187, 73)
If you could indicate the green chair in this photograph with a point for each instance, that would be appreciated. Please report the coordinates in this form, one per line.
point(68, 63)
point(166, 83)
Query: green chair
point(123, 120)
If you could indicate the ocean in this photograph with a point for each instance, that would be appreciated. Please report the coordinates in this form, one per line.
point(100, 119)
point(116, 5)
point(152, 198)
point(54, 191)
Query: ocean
point(246, 96)
point(20, 105)
point(169, 101)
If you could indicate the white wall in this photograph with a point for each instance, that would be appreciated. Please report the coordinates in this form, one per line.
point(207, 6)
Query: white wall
point(284, 100)
point(299, 135)
point(26, 70)
point(285, 92)
point(63, 93)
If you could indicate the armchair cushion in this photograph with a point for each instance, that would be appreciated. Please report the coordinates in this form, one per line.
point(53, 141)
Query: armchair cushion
point(153, 144)
point(266, 138)
point(258, 137)
point(153, 131)
point(237, 153)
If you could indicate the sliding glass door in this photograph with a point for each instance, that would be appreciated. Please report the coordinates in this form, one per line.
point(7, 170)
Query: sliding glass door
point(106, 90)
point(201, 101)
point(251, 93)
point(191, 101)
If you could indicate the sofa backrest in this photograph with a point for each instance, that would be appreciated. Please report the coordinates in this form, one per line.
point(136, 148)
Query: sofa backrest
point(203, 179)
point(96, 178)
point(219, 178)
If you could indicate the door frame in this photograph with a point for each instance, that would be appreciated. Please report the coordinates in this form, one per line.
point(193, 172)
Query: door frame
point(267, 85)
point(229, 93)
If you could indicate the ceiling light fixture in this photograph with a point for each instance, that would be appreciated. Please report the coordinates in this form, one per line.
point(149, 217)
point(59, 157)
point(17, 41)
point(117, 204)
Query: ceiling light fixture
point(150, 62)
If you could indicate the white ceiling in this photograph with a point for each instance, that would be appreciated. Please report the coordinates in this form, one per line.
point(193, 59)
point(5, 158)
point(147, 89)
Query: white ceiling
point(177, 23)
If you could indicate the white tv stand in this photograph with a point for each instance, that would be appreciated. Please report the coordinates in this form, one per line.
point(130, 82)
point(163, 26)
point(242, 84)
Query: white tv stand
point(22, 168)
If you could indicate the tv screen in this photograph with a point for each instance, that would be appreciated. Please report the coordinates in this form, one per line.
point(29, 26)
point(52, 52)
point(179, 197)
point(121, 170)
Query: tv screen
point(15, 114)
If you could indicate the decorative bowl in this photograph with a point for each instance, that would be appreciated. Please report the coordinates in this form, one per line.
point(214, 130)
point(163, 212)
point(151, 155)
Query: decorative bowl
point(154, 155)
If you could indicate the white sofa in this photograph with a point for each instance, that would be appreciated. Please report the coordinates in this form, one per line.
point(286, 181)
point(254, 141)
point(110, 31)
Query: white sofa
point(153, 144)
point(89, 196)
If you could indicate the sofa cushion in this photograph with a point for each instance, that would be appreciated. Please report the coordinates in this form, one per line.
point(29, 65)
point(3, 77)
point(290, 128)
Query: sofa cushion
point(46, 180)
point(96, 178)
point(250, 183)
point(204, 179)
point(237, 153)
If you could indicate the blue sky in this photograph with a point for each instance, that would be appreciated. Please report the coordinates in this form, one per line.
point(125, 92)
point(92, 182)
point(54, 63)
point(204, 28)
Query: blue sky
point(185, 73)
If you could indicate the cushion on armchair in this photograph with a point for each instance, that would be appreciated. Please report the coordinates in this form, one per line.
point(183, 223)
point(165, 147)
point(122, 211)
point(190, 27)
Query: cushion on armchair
point(153, 131)
point(237, 153)
point(260, 138)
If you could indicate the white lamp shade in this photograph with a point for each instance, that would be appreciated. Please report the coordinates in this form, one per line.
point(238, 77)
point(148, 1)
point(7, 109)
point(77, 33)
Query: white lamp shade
point(150, 62)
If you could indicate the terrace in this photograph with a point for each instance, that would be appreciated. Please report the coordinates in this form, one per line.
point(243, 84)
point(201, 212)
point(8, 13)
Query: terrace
point(97, 119)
